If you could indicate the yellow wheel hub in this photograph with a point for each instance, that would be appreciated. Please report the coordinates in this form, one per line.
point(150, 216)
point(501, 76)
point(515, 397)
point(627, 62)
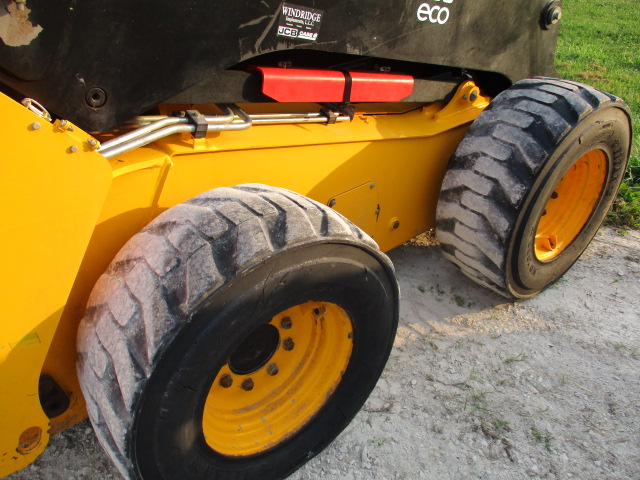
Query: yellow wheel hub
point(278, 379)
point(570, 205)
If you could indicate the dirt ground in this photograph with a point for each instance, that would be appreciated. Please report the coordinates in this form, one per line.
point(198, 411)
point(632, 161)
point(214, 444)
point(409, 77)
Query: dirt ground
point(479, 387)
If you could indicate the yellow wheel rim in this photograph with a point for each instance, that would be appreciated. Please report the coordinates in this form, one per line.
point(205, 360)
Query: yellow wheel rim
point(278, 379)
point(570, 205)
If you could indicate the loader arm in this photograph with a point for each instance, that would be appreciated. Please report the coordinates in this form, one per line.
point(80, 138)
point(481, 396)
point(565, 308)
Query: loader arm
point(52, 186)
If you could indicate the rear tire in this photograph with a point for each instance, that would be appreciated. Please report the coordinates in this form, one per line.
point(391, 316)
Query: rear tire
point(531, 183)
point(235, 337)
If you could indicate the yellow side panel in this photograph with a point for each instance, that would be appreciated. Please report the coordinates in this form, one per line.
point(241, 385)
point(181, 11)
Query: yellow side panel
point(360, 205)
point(50, 197)
point(405, 156)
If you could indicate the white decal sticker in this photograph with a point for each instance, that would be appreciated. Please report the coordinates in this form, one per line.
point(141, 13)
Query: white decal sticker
point(299, 22)
point(434, 14)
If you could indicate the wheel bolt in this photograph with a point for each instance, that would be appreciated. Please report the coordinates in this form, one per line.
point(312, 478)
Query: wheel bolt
point(286, 323)
point(272, 369)
point(247, 384)
point(288, 344)
point(554, 195)
point(226, 381)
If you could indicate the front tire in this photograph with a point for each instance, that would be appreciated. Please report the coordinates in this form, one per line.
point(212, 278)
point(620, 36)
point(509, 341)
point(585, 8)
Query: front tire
point(235, 337)
point(531, 183)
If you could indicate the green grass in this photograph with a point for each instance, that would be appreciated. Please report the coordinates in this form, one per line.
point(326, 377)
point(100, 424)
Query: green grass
point(599, 44)
point(544, 438)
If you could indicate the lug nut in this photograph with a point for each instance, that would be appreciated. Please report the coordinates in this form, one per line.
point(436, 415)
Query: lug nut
point(272, 369)
point(247, 384)
point(288, 344)
point(286, 323)
point(554, 195)
point(226, 381)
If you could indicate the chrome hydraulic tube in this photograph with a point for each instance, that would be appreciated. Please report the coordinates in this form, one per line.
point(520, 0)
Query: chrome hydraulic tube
point(155, 127)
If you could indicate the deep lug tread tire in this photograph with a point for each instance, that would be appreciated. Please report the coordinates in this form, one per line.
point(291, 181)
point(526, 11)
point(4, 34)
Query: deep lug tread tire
point(492, 189)
point(150, 298)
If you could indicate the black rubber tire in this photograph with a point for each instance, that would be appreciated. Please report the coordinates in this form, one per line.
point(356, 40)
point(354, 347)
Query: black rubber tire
point(181, 295)
point(506, 168)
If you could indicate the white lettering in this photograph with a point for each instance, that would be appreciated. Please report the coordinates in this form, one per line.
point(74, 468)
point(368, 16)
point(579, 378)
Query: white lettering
point(308, 35)
point(444, 11)
point(423, 12)
point(435, 14)
point(302, 14)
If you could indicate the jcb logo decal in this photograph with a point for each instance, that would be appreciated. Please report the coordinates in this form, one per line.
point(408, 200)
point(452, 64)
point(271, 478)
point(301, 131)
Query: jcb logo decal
point(288, 32)
point(435, 13)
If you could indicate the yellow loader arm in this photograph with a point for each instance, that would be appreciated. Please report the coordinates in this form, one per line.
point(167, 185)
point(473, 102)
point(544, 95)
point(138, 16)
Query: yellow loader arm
point(52, 188)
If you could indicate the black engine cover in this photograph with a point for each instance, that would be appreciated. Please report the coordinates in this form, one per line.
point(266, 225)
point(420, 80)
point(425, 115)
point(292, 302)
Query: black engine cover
point(100, 62)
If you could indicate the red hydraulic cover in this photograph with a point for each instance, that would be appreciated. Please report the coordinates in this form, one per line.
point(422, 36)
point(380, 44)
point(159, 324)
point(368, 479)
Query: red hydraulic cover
point(379, 87)
point(302, 85)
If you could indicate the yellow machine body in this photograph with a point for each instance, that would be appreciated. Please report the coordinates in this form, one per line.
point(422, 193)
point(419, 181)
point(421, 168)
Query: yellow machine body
point(51, 199)
point(67, 211)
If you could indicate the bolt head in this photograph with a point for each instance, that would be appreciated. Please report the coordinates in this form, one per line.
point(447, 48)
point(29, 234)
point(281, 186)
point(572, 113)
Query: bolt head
point(555, 14)
point(551, 15)
point(96, 97)
point(247, 384)
point(286, 323)
point(226, 381)
point(288, 344)
point(272, 369)
point(35, 126)
point(73, 149)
